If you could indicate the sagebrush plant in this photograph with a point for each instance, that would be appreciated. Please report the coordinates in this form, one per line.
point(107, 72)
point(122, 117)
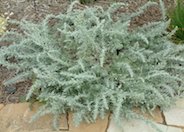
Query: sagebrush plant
point(177, 20)
point(89, 62)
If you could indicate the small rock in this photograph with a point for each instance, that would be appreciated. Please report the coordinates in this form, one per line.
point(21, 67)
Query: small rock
point(156, 115)
point(16, 117)
point(133, 126)
point(99, 126)
point(174, 129)
point(1, 106)
point(139, 126)
point(43, 130)
point(175, 116)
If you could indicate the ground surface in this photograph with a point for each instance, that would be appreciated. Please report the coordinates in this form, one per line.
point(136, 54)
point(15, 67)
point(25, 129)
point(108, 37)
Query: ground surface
point(16, 117)
point(35, 10)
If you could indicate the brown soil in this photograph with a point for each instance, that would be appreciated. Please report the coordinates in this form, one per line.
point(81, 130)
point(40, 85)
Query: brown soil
point(35, 10)
point(14, 93)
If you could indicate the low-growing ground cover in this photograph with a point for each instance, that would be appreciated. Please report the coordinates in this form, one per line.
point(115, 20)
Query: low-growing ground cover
point(91, 62)
point(36, 10)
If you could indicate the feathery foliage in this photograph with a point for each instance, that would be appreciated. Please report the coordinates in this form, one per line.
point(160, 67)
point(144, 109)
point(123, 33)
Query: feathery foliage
point(88, 61)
